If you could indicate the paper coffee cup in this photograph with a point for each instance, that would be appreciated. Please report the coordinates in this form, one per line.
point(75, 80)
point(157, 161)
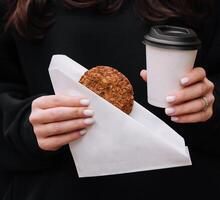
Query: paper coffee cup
point(170, 52)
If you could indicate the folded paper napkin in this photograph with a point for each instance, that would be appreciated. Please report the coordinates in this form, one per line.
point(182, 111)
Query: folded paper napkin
point(117, 143)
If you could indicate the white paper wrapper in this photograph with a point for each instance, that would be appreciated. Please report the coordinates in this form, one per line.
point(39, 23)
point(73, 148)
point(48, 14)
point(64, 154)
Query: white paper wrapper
point(117, 143)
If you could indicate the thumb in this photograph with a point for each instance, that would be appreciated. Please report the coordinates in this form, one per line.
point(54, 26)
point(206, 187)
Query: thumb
point(143, 74)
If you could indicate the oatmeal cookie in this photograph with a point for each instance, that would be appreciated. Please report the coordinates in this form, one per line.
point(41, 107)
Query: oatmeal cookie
point(110, 84)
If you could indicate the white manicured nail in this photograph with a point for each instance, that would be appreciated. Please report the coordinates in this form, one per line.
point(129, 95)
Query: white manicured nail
point(170, 99)
point(84, 102)
point(142, 72)
point(89, 121)
point(83, 132)
point(169, 111)
point(174, 119)
point(184, 80)
point(88, 113)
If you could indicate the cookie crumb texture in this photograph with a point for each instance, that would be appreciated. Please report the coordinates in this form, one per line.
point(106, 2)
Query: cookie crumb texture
point(110, 84)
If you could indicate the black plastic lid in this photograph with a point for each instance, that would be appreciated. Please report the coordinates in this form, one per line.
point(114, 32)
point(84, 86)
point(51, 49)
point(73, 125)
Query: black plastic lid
point(172, 37)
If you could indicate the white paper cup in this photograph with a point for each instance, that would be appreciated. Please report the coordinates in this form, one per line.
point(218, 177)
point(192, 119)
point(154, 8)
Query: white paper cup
point(170, 54)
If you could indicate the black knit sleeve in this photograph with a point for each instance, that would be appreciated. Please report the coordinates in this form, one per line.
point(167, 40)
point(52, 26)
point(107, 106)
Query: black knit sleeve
point(18, 146)
point(206, 135)
point(212, 62)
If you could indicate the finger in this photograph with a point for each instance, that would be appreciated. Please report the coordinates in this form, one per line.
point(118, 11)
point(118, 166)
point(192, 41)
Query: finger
point(190, 107)
point(196, 75)
point(52, 101)
point(143, 74)
point(189, 93)
point(58, 128)
point(210, 84)
point(60, 114)
point(53, 143)
point(194, 118)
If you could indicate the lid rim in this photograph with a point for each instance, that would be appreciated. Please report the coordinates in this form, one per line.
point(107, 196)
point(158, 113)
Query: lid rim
point(173, 43)
point(168, 46)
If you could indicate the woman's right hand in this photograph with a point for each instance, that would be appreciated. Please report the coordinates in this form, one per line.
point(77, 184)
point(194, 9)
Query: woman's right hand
point(58, 120)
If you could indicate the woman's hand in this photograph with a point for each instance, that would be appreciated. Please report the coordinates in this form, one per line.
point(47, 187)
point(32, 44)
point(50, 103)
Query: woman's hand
point(59, 120)
point(194, 102)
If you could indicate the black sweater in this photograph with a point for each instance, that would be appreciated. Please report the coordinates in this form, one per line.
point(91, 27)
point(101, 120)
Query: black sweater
point(94, 39)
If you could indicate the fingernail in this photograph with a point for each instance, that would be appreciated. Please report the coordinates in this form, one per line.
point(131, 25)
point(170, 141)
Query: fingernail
point(142, 71)
point(84, 102)
point(83, 132)
point(169, 111)
point(170, 99)
point(184, 80)
point(89, 121)
point(88, 113)
point(174, 119)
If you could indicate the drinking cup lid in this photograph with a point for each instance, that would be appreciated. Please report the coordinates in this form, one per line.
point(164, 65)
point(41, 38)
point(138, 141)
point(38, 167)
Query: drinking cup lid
point(172, 37)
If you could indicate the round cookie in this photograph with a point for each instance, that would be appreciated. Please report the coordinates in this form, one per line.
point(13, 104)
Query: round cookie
point(110, 84)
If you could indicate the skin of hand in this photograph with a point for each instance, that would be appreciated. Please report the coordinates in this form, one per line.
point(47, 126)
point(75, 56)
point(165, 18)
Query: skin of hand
point(58, 120)
point(187, 105)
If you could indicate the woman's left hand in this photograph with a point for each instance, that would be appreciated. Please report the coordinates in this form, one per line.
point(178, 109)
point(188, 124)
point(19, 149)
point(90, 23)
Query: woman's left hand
point(194, 102)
